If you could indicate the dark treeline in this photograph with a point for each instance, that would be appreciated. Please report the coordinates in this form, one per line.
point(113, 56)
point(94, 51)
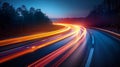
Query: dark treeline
point(11, 18)
point(106, 14)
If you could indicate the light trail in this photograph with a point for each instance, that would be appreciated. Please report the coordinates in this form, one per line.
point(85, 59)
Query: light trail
point(34, 48)
point(76, 45)
point(35, 36)
point(48, 58)
point(111, 32)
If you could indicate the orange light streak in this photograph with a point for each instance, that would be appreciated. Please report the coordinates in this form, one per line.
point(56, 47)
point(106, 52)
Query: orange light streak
point(48, 58)
point(70, 52)
point(34, 48)
point(34, 36)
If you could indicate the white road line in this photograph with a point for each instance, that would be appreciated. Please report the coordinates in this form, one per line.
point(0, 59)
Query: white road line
point(90, 53)
point(89, 58)
point(93, 40)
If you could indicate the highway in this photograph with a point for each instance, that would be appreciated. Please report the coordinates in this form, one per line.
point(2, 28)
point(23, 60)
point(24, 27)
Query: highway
point(72, 46)
point(101, 50)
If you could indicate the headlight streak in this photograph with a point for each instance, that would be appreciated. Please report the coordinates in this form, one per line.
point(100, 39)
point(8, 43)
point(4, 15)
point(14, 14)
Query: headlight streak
point(35, 36)
point(34, 48)
point(48, 58)
point(76, 45)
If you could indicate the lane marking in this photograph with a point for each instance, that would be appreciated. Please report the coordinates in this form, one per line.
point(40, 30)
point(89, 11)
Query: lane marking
point(92, 37)
point(91, 52)
point(93, 40)
point(89, 58)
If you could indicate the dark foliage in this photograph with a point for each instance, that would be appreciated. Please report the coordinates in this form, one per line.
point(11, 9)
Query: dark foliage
point(106, 14)
point(11, 18)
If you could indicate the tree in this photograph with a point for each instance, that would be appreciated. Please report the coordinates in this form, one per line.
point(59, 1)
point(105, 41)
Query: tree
point(7, 14)
point(21, 17)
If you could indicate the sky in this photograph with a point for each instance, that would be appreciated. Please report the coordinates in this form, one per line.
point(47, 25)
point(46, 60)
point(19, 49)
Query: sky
point(59, 8)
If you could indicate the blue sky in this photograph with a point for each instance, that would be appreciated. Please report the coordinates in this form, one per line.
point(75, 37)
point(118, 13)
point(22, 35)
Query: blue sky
point(59, 8)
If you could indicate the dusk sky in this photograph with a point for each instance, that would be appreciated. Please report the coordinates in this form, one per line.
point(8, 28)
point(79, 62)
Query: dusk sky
point(59, 8)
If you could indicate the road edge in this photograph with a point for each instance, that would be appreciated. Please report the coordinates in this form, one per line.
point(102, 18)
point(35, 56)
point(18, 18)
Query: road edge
point(110, 32)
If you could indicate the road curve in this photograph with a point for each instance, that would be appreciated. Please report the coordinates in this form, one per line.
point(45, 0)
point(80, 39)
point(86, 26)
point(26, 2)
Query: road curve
point(83, 48)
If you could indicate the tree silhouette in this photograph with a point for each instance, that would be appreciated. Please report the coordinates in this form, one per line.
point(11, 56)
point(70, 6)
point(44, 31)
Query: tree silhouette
point(7, 14)
point(21, 14)
point(106, 14)
point(21, 18)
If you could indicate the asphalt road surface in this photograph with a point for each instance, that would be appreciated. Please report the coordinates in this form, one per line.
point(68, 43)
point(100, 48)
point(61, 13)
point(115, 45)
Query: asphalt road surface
point(95, 49)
